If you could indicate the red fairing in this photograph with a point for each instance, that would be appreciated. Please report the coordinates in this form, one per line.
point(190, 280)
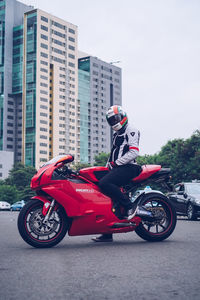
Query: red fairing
point(89, 172)
point(147, 171)
point(81, 198)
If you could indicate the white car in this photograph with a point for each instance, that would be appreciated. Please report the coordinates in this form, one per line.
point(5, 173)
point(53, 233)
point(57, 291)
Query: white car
point(4, 205)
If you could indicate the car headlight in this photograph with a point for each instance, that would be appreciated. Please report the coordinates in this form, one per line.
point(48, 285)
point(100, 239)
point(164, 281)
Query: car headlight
point(197, 201)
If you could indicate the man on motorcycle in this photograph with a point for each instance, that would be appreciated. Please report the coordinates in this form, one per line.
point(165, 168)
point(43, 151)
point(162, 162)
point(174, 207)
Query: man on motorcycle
point(121, 163)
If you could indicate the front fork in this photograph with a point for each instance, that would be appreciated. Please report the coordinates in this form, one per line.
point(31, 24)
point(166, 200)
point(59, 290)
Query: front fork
point(47, 210)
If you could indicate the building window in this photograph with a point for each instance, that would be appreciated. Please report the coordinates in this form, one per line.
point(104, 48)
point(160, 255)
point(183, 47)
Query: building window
point(43, 92)
point(43, 77)
point(43, 107)
point(44, 54)
point(43, 152)
point(58, 33)
point(58, 25)
point(44, 19)
point(44, 62)
point(71, 39)
point(43, 99)
point(44, 28)
point(71, 47)
point(44, 46)
point(43, 84)
point(71, 56)
point(44, 137)
point(43, 70)
point(72, 30)
point(43, 114)
point(43, 129)
point(71, 65)
point(58, 51)
point(58, 42)
point(44, 37)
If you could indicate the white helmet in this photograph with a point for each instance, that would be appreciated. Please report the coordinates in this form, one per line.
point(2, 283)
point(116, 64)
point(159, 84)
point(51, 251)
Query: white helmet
point(116, 117)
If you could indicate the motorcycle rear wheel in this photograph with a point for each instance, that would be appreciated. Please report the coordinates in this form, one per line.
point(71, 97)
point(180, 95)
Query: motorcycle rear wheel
point(37, 234)
point(164, 225)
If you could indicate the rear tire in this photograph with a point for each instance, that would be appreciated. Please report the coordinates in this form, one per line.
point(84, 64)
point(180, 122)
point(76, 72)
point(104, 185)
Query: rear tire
point(163, 227)
point(37, 234)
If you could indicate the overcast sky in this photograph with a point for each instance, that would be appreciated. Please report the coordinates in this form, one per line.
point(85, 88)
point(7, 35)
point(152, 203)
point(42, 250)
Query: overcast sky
point(158, 45)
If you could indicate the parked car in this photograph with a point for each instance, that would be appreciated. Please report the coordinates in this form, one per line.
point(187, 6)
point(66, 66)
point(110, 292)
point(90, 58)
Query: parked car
point(17, 205)
point(186, 199)
point(4, 205)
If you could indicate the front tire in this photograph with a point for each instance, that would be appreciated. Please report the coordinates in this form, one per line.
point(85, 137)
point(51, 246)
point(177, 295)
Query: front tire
point(37, 234)
point(164, 225)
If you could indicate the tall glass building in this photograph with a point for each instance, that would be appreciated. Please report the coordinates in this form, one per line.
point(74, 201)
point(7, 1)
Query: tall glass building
point(51, 102)
point(38, 84)
point(11, 15)
point(99, 88)
point(84, 109)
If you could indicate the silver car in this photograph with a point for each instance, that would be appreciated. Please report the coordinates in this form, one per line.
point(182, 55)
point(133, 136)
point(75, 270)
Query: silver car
point(4, 205)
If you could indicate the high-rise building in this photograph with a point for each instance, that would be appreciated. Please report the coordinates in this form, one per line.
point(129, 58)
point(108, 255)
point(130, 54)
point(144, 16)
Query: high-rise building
point(6, 163)
point(42, 114)
point(11, 15)
point(99, 88)
point(50, 87)
point(38, 84)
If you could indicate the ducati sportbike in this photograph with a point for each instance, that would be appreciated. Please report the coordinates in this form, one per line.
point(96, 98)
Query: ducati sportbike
point(71, 202)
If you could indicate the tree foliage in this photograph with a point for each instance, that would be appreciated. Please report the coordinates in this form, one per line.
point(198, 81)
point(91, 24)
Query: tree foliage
point(79, 166)
point(101, 159)
point(20, 176)
point(8, 193)
point(17, 185)
point(181, 156)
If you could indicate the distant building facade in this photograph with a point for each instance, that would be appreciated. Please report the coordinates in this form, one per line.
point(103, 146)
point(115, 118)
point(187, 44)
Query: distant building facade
point(48, 105)
point(6, 163)
point(11, 15)
point(99, 88)
point(50, 88)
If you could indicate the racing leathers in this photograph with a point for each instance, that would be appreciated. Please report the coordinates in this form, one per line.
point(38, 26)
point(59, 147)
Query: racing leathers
point(122, 165)
point(125, 147)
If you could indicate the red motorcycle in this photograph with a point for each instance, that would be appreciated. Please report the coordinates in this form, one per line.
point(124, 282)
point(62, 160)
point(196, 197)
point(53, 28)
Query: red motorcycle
point(72, 202)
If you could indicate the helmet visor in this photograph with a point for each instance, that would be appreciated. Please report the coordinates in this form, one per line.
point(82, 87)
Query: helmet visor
point(114, 119)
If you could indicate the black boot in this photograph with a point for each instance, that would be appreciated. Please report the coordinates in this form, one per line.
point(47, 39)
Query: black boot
point(103, 238)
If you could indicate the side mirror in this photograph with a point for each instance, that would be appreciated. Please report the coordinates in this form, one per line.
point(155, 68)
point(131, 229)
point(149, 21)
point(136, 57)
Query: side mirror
point(185, 195)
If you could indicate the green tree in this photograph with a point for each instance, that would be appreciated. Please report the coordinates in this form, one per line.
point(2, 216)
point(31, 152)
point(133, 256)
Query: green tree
point(101, 159)
point(79, 166)
point(20, 176)
point(181, 156)
point(8, 193)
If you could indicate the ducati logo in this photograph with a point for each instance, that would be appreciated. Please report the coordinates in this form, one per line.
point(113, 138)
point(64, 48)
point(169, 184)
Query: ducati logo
point(84, 190)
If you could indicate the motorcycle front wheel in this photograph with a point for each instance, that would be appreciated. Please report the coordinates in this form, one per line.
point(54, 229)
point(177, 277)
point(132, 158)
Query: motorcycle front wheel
point(164, 222)
point(35, 232)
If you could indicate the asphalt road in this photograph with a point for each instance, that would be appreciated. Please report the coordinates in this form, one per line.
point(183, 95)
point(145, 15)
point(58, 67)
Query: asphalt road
point(77, 268)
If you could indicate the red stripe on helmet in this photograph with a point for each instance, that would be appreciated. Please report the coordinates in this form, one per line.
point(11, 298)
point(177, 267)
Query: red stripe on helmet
point(115, 109)
point(135, 148)
point(123, 120)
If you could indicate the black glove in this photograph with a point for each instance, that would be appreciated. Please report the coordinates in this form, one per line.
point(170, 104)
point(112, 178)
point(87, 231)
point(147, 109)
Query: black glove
point(111, 165)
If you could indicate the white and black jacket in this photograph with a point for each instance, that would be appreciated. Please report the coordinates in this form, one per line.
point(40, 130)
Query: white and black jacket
point(125, 147)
